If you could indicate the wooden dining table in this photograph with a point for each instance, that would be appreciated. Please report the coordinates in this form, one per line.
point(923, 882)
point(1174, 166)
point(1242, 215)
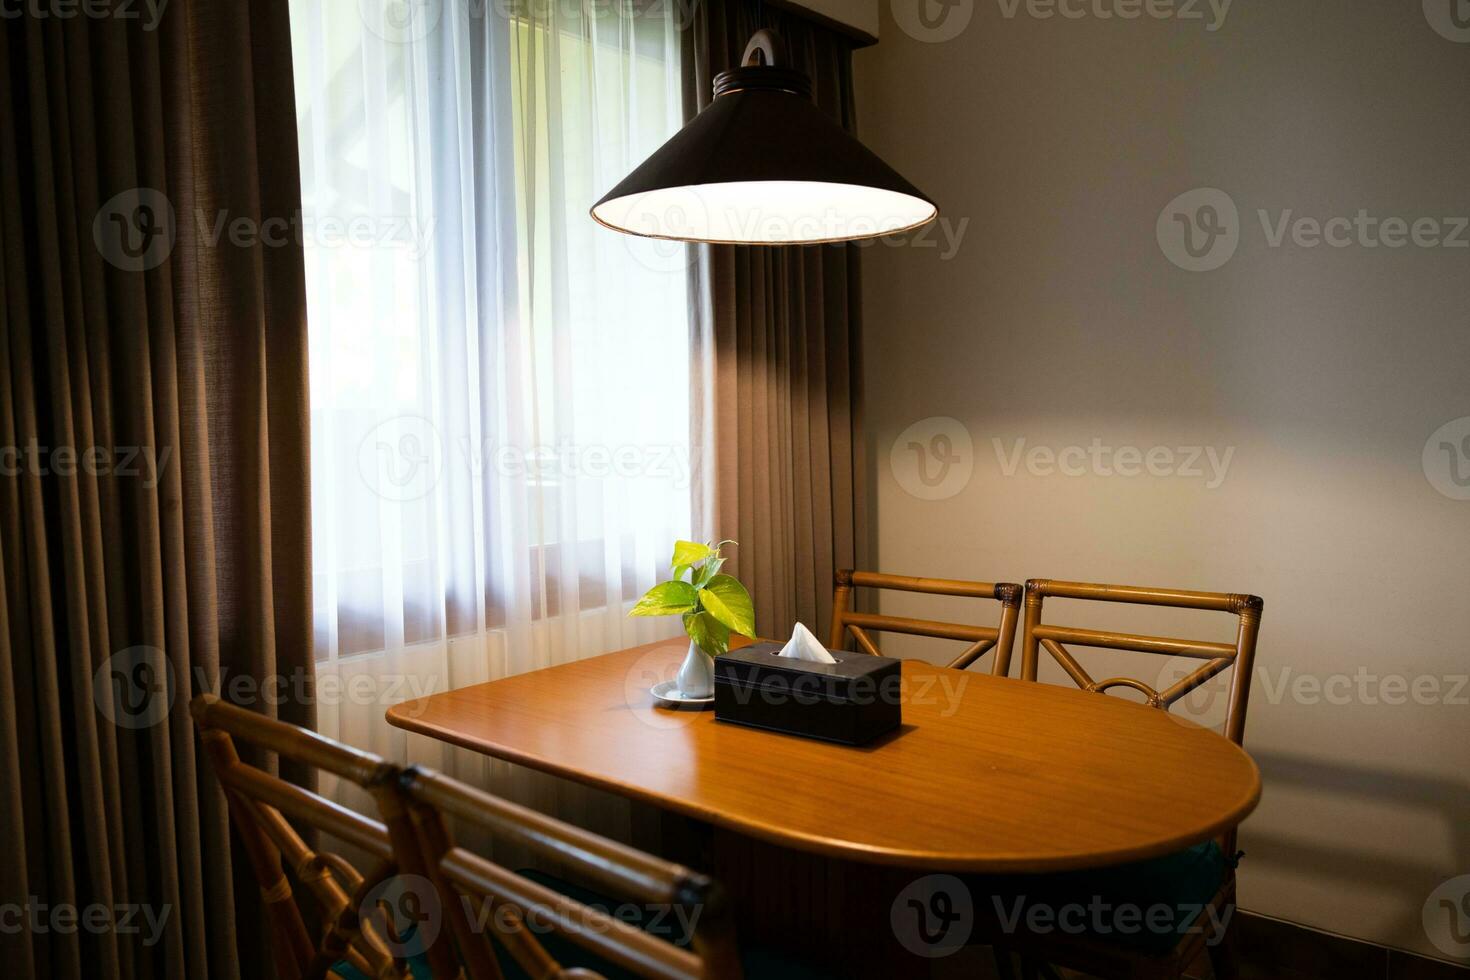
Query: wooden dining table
point(814, 840)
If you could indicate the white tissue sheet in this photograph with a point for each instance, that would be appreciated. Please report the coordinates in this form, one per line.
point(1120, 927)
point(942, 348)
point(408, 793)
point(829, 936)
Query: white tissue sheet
point(804, 646)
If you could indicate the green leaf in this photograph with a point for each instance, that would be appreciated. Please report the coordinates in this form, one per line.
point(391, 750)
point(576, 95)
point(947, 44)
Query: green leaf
point(706, 571)
point(726, 600)
point(667, 599)
point(687, 553)
point(707, 632)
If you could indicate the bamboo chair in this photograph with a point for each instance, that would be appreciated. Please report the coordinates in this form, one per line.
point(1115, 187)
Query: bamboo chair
point(981, 639)
point(261, 803)
point(1089, 954)
point(486, 899)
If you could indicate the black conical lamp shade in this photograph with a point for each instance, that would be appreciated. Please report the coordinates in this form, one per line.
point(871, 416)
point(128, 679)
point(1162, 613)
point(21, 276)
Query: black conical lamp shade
point(762, 165)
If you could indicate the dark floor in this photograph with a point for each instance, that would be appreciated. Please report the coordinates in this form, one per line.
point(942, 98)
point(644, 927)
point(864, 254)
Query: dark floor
point(1270, 950)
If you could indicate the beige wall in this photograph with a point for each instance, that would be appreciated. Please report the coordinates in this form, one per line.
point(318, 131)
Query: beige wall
point(1319, 372)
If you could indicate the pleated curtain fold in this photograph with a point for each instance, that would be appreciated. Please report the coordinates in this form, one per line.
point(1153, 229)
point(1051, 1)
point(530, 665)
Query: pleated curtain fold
point(777, 363)
point(154, 493)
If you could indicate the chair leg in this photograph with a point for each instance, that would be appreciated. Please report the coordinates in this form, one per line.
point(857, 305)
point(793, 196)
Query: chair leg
point(1004, 968)
point(1225, 953)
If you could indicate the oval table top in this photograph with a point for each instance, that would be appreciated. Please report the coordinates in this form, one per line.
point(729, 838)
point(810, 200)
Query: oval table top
point(986, 773)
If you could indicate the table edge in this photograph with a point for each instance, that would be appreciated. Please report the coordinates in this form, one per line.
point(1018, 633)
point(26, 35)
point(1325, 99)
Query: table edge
point(812, 843)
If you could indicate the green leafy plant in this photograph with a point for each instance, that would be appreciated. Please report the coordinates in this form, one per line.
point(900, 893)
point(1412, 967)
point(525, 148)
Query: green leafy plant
point(713, 605)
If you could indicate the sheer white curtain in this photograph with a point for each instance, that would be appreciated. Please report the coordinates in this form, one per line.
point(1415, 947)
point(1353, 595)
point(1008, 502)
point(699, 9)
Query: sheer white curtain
point(500, 438)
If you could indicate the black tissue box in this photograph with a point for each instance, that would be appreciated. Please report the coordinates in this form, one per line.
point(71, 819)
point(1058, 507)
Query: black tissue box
point(852, 701)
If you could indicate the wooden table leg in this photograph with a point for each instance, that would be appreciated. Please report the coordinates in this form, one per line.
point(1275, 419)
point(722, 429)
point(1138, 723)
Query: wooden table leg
point(827, 912)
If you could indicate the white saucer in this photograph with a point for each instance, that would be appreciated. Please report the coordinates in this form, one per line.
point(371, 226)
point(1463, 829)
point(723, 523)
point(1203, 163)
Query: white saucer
point(667, 694)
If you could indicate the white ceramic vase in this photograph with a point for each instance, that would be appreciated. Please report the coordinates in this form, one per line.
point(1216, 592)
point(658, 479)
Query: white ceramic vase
point(696, 677)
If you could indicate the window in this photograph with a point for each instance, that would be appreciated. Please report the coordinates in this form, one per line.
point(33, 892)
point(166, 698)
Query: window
point(500, 387)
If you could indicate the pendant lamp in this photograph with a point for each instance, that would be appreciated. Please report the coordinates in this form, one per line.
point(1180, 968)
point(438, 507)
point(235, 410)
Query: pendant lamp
point(762, 165)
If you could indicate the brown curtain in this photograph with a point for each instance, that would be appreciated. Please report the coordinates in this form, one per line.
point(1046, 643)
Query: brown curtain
point(153, 440)
point(777, 360)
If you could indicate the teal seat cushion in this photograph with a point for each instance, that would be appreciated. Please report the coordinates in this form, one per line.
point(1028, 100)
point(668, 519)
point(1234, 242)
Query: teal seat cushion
point(418, 965)
point(1146, 905)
